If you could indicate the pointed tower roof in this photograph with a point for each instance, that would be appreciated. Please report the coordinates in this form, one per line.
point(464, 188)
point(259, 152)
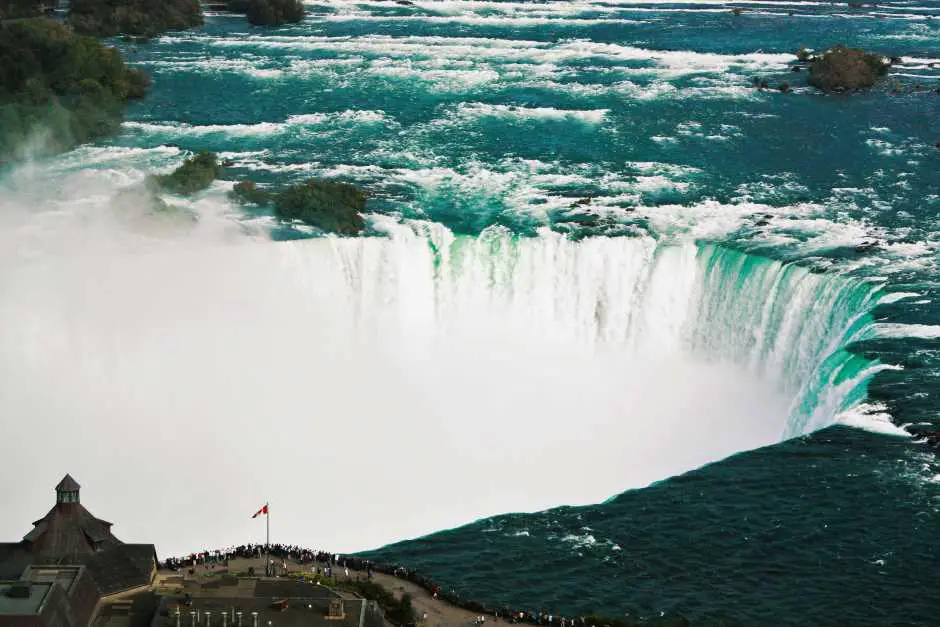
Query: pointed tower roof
point(67, 485)
point(69, 530)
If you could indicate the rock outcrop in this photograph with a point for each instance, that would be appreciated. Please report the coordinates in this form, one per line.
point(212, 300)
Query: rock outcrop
point(844, 69)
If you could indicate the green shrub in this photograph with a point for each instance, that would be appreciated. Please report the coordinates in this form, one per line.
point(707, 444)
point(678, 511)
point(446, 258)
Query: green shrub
point(327, 205)
point(107, 18)
point(195, 175)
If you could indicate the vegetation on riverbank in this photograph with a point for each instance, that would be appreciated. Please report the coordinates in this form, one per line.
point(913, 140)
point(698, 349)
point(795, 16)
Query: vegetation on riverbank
point(59, 89)
point(269, 12)
point(107, 18)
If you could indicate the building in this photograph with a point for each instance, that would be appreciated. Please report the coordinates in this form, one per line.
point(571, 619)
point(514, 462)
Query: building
point(60, 571)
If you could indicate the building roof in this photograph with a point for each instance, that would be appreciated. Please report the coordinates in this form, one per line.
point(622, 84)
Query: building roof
point(14, 558)
point(65, 576)
point(67, 485)
point(67, 533)
point(26, 605)
point(122, 567)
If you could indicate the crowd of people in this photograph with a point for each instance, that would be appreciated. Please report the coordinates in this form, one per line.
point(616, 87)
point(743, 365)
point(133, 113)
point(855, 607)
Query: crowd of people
point(317, 560)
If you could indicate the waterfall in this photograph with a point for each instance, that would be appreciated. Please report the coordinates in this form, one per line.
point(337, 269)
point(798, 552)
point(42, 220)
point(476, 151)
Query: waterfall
point(781, 322)
point(453, 376)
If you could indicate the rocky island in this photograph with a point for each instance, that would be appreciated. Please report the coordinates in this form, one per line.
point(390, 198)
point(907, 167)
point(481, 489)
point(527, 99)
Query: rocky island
point(841, 69)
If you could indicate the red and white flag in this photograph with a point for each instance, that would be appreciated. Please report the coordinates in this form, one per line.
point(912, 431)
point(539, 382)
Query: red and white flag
point(263, 510)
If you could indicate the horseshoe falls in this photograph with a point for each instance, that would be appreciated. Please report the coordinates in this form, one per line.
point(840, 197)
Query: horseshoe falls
point(623, 333)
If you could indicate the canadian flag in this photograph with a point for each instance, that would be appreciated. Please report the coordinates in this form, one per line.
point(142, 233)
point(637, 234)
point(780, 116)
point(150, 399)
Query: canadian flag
point(263, 510)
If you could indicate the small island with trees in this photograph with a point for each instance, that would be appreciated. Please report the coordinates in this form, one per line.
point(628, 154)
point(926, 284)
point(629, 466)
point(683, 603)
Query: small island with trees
point(331, 206)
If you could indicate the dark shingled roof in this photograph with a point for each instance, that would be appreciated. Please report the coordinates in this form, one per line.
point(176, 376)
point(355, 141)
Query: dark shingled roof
point(122, 567)
point(67, 485)
point(68, 532)
point(14, 558)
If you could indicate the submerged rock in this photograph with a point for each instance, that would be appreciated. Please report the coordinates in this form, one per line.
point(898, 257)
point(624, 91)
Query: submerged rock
point(845, 69)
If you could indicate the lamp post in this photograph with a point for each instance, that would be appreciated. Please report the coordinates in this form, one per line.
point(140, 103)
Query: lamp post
point(239, 615)
point(254, 619)
point(208, 618)
point(192, 615)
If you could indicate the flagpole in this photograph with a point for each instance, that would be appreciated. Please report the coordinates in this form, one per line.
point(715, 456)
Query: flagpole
point(267, 536)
